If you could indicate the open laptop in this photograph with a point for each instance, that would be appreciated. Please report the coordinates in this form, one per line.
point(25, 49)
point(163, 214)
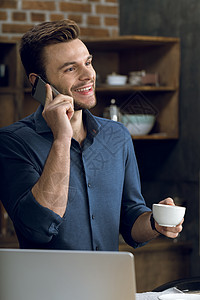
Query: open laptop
point(66, 275)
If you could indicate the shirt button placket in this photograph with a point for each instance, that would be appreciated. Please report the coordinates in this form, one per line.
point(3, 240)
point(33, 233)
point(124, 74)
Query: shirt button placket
point(93, 216)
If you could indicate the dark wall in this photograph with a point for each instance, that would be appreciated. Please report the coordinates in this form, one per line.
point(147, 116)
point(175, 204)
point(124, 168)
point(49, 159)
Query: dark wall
point(172, 167)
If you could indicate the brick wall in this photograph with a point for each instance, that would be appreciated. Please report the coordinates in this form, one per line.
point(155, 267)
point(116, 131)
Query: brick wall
point(96, 18)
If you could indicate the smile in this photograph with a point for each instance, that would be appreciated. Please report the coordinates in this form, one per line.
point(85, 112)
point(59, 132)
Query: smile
point(84, 89)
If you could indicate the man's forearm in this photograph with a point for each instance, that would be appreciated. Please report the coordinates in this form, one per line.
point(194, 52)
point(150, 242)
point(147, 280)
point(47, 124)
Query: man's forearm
point(142, 230)
point(51, 190)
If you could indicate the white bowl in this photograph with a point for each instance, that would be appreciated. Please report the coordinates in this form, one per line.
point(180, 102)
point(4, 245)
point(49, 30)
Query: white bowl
point(168, 215)
point(179, 296)
point(138, 124)
point(115, 79)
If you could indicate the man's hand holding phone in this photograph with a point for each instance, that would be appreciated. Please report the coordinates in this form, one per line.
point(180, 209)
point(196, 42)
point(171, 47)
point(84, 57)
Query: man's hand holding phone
point(57, 113)
point(51, 190)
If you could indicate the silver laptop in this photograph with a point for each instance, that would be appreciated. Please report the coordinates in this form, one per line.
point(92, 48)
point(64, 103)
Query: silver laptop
point(66, 275)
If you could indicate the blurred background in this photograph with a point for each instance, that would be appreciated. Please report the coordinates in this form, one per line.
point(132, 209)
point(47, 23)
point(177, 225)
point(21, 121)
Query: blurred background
point(168, 166)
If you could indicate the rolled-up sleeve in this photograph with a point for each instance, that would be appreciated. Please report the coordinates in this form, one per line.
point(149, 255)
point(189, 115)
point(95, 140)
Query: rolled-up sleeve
point(19, 173)
point(37, 223)
point(133, 203)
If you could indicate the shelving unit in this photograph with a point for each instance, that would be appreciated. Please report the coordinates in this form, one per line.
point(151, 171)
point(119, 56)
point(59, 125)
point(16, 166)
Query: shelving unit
point(11, 97)
point(125, 54)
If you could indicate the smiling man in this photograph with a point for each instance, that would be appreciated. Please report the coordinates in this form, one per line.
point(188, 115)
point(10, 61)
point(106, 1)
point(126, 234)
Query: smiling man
point(69, 180)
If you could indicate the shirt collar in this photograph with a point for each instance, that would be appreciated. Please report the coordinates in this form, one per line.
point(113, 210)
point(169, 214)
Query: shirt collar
point(40, 123)
point(91, 122)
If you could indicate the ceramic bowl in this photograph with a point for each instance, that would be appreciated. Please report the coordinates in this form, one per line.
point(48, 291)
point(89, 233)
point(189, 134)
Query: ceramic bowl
point(168, 215)
point(138, 124)
point(115, 79)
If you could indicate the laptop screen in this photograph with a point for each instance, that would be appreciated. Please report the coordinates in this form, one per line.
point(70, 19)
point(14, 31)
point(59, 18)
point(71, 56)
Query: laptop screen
point(70, 275)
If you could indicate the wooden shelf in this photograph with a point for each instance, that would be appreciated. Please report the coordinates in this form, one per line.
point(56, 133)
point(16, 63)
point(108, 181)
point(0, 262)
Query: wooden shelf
point(9, 242)
point(129, 88)
point(9, 90)
point(125, 54)
point(155, 136)
point(129, 41)
point(11, 96)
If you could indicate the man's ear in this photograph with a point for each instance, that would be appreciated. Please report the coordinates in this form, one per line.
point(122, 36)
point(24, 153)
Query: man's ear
point(32, 77)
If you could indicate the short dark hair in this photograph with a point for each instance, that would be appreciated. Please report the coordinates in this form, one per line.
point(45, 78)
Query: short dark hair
point(46, 33)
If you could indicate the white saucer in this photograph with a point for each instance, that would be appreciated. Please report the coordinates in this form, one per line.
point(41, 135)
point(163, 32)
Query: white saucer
point(179, 297)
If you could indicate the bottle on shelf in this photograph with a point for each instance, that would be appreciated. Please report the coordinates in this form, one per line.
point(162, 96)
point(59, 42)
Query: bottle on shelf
point(112, 112)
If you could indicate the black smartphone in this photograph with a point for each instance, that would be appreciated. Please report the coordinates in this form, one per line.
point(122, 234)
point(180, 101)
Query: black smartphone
point(39, 90)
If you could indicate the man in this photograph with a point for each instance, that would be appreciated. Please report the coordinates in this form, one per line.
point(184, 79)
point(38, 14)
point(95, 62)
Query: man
point(69, 180)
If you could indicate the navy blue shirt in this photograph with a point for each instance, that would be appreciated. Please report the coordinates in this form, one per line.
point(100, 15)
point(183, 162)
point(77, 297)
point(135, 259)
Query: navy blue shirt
point(104, 189)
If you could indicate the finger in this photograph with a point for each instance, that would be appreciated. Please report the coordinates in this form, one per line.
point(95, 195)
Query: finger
point(167, 201)
point(70, 112)
point(181, 222)
point(66, 103)
point(66, 106)
point(49, 95)
point(61, 107)
point(61, 99)
point(171, 232)
point(171, 235)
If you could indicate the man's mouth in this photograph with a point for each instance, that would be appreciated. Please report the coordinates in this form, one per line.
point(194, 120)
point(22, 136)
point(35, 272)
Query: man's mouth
point(85, 89)
point(84, 96)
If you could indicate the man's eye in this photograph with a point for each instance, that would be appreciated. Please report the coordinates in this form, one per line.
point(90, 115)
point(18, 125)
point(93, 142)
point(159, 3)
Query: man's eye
point(89, 62)
point(69, 69)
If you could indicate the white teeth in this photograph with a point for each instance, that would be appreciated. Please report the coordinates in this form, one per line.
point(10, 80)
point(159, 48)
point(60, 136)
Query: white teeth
point(84, 89)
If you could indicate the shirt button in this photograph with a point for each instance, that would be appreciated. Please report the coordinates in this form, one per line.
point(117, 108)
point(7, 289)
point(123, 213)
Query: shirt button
point(89, 185)
point(92, 217)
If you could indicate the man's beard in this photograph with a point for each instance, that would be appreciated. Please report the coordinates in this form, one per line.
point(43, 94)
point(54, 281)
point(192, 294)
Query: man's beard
point(79, 105)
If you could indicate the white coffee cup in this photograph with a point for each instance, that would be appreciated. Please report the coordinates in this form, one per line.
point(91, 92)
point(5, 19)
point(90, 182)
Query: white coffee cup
point(168, 215)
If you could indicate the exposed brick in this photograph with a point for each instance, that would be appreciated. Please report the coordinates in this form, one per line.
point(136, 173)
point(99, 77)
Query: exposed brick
point(56, 17)
point(75, 7)
point(37, 17)
point(13, 39)
point(4, 39)
point(3, 15)
point(18, 16)
point(15, 28)
point(77, 10)
point(38, 5)
point(77, 18)
point(93, 20)
point(94, 32)
point(8, 4)
point(105, 9)
point(111, 21)
point(115, 32)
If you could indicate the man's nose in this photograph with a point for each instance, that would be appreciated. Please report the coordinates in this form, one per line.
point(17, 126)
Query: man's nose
point(87, 73)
